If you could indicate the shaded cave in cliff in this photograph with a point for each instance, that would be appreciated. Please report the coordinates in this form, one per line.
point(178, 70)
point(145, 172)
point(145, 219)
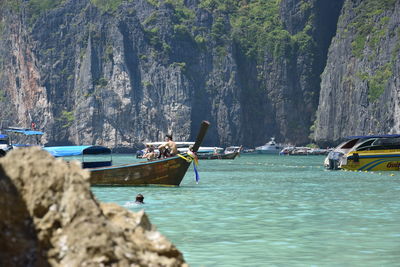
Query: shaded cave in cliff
point(326, 18)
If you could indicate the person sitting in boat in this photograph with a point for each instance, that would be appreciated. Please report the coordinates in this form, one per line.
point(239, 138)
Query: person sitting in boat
point(139, 199)
point(168, 149)
point(150, 153)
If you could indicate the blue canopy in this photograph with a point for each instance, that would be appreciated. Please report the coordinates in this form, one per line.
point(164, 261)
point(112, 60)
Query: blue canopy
point(3, 136)
point(374, 136)
point(25, 132)
point(65, 151)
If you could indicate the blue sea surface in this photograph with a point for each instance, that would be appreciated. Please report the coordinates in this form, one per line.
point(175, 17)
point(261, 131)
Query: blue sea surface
point(270, 210)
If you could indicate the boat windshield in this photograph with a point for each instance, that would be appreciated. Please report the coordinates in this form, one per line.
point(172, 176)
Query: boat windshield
point(386, 143)
point(349, 144)
point(365, 145)
point(380, 143)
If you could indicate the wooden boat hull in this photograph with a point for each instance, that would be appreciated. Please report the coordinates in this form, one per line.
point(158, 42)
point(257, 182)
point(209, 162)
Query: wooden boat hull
point(379, 160)
point(221, 156)
point(167, 172)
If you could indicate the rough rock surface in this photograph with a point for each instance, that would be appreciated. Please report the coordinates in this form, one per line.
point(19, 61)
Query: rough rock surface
point(360, 86)
point(49, 217)
point(124, 76)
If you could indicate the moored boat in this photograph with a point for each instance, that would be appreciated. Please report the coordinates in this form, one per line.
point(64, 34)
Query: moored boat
point(183, 147)
point(18, 137)
point(380, 154)
point(231, 155)
point(367, 153)
point(294, 151)
point(91, 156)
point(248, 151)
point(5, 144)
point(231, 149)
point(24, 137)
point(270, 148)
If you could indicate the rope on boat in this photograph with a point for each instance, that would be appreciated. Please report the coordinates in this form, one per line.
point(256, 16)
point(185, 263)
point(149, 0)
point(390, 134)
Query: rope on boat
point(191, 157)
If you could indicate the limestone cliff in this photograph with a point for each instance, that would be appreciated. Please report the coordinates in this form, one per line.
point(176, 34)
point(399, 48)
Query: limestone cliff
point(49, 217)
point(118, 73)
point(360, 85)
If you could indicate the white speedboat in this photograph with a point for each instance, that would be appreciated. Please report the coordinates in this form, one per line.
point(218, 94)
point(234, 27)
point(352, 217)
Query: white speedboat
point(232, 149)
point(332, 160)
point(270, 148)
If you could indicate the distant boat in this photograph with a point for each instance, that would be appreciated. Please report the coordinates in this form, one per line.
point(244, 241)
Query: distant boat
point(5, 144)
point(183, 147)
point(231, 149)
point(248, 151)
point(28, 137)
point(7, 141)
point(292, 150)
point(270, 148)
point(231, 155)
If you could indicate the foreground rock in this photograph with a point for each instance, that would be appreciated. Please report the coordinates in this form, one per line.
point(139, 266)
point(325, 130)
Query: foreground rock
point(49, 217)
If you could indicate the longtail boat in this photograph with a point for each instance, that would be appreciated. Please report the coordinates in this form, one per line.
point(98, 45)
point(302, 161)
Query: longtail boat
point(230, 153)
point(165, 172)
point(218, 156)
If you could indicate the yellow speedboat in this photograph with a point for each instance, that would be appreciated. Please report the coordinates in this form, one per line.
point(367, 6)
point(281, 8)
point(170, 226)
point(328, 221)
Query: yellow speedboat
point(379, 160)
point(370, 153)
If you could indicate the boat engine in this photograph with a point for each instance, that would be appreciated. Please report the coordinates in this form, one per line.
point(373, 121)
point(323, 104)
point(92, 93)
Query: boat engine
point(333, 160)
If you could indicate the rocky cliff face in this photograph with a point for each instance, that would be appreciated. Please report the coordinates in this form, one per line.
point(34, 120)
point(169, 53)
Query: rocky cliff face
point(49, 217)
point(118, 73)
point(360, 86)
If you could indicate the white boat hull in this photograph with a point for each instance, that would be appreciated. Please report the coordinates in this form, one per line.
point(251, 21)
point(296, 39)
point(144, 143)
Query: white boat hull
point(269, 148)
point(268, 151)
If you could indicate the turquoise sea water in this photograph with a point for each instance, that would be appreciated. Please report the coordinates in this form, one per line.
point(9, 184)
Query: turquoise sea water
point(266, 210)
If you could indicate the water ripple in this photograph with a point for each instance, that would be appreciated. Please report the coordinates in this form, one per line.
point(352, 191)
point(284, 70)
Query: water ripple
point(266, 210)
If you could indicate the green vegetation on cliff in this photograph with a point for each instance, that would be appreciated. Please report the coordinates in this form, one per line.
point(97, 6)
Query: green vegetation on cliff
point(39, 6)
point(107, 5)
point(66, 119)
point(370, 26)
point(367, 31)
point(378, 81)
point(2, 96)
point(2, 28)
point(256, 26)
point(36, 7)
point(13, 5)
